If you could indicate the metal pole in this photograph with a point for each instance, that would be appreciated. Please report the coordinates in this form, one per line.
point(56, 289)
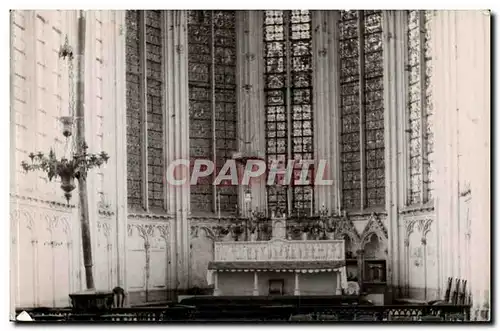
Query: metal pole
point(81, 151)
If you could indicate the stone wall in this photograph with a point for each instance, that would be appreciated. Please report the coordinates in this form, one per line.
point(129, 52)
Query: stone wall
point(46, 245)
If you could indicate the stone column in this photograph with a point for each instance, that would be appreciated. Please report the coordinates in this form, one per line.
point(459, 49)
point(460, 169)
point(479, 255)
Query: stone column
point(255, 283)
point(326, 82)
point(216, 283)
point(175, 47)
point(338, 285)
point(120, 146)
point(296, 290)
point(14, 221)
point(250, 96)
point(394, 102)
point(476, 26)
point(461, 83)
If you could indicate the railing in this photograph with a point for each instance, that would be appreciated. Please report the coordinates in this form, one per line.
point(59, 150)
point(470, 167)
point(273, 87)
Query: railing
point(399, 313)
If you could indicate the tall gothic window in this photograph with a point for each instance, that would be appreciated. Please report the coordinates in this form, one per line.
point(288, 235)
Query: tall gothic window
point(145, 162)
point(419, 109)
point(212, 102)
point(362, 109)
point(288, 92)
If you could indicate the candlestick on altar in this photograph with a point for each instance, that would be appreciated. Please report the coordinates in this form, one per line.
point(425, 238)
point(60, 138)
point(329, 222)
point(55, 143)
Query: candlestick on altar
point(338, 202)
point(218, 204)
point(265, 203)
point(312, 202)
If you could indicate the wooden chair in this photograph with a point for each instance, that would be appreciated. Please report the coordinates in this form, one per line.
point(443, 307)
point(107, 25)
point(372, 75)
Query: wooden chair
point(454, 296)
point(463, 293)
point(446, 295)
point(118, 297)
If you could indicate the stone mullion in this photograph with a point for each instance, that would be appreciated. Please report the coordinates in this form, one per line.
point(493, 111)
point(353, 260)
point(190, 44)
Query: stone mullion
point(423, 107)
point(403, 133)
point(143, 107)
point(215, 189)
point(177, 121)
point(288, 100)
point(362, 149)
point(241, 99)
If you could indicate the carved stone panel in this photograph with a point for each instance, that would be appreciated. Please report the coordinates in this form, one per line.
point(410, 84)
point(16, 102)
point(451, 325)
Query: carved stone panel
point(202, 252)
point(149, 251)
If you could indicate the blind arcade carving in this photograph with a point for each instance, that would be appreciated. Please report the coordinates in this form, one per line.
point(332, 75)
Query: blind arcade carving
point(280, 250)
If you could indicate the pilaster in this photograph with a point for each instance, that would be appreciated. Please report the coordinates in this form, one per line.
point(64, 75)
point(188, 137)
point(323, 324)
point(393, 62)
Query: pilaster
point(394, 103)
point(445, 83)
point(326, 82)
point(14, 233)
point(461, 84)
point(175, 47)
point(327, 124)
point(120, 115)
point(480, 86)
point(250, 97)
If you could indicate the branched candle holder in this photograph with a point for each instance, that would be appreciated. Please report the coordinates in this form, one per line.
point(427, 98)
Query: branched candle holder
point(67, 170)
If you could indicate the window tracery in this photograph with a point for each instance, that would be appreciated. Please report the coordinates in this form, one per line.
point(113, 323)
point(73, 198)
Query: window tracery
point(419, 107)
point(288, 95)
point(144, 109)
point(212, 101)
point(362, 109)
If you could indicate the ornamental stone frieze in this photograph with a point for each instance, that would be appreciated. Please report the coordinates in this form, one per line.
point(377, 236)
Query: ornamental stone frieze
point(149, 231)
point(421, 224)
point(37, 202)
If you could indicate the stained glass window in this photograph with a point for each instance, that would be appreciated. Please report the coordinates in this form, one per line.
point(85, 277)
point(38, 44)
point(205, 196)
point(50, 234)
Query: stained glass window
point(288, 93)
point(154, 108)
point(419, 108)
point(145, 161)
point(134, 148)
point(362, 109)
point(212, 91)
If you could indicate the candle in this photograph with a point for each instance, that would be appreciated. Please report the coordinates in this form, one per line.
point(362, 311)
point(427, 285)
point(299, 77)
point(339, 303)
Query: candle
point(265, 203)
point(311, 202)
point(218, 204)
point(338, 202)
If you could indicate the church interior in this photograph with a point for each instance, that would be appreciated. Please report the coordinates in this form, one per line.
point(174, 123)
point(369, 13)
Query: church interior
point(396, 102)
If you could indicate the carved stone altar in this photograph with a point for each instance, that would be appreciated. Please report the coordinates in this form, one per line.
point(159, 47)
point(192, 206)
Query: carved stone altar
point(319, 265)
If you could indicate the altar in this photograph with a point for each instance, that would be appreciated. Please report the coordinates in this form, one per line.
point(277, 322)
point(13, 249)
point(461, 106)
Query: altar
point(278, 267)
